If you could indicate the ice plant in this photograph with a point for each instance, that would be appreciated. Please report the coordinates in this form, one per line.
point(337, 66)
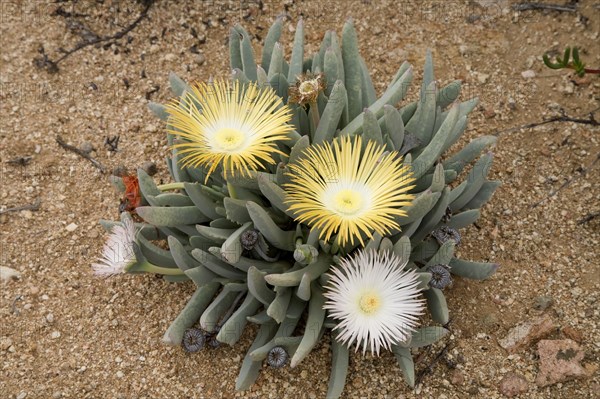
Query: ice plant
point(376, 301)
point(340, 187)
point(118, 253)
point(229, 125)
point(281, 193)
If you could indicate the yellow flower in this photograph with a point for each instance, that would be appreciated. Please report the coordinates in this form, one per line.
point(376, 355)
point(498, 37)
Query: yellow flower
point(233, 125)
point(341, 187)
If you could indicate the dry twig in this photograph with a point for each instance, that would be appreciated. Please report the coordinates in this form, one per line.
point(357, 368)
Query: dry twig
point(29, 207)
point(81, 153)
point(542, 6)
point(89, 39)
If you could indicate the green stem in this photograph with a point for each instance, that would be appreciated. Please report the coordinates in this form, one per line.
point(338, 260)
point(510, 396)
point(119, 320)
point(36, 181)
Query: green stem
point(232, 192)
point(171, 186)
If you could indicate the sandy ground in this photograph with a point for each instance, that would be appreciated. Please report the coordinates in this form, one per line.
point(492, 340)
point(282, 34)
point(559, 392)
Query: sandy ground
point(67, 334)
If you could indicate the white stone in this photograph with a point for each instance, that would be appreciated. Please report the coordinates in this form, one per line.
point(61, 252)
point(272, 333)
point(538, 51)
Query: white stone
point(528, 74)
point(7, 274)
point(71, 227)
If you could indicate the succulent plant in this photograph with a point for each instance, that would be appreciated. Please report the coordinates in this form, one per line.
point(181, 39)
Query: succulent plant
point(232, 230)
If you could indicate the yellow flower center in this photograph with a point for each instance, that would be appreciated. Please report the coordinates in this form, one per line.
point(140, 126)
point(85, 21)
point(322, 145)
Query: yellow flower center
point(307, 87)
point(347, 202)
point(370, 302)
point(229, 139)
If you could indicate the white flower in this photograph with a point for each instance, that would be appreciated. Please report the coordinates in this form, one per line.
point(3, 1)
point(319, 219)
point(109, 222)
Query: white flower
point(376, 302)
point(118, 251)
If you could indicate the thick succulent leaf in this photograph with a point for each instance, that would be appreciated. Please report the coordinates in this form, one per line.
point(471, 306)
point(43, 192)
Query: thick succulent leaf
point(217, 266)
point(232, 249)
point(422, 123)
point(427, 181)
point(171, 217)
point(433, 217)
point(264, 223)
point(394, 125)
point(279, 306)
point(448, 94)
point(484, 195)
point(405, 361)
point(218, 307)
point(158, 110)
point(371, 129)
point(352, 69)
point(172, 199)
point(178, 86)
point(368, 90)
point(275, 194)
point(391, 97)
point(293, 277)
point(432, 152)
point(215, 234)
point(297, 54)
point(468, 153)
point(476, 178)
point(332, 70)
point(332, 114)
point(442, 256)
point(314, 325)
point(419, 208)
point(339, 369)
point(436, 302)
point(258, 286)
point(251, 368)
point(426, 336)
point(270, 40)
point(154, 254)
point(473, 270)
point(276, 63)
point(235, 55)
point(233, 328)
point(201, 199)
point(147, 185)
point(464, 219)
point(402, 249)
point(190, 314)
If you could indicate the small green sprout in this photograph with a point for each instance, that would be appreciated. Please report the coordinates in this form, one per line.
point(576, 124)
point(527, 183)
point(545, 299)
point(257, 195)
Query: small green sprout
point(577, 65)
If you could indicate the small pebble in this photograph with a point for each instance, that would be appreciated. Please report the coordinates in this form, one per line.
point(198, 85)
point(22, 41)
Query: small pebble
point(55, 335)
point(150, 168)
point(7, 274)
point(50, 318)
point(199, 59)
point(71, 227)
point(528, 74)
point(22, 395)
point(86, 147)
point(120, 374)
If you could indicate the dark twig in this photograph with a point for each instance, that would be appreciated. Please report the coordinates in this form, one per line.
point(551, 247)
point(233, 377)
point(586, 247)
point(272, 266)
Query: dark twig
point(562, 118)
point(567, 183)
point(589, 217)
point(29, 207)
point(542, 6)
point(431, 366)
point(112, 143)
point(21, 161)
point(90, 40)
point(81, 153)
